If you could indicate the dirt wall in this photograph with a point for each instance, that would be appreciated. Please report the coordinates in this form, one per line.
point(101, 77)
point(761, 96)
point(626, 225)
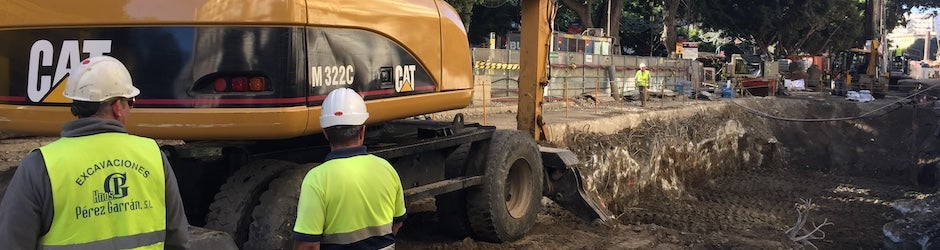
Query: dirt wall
point(666, 156)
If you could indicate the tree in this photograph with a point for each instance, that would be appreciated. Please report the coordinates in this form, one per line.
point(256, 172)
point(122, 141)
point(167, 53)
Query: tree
point(797, 26)
point(594, 13)
point(757, 21)
point(499, 20)
point(465, 9)
point(670, 9)
point(641, 28)
point(815, 27)
point(584, 9)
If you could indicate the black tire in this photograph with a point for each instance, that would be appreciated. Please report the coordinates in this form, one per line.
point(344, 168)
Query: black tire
point(505, 207)
point(452, 217)
point(273, 219)
point(231, 210)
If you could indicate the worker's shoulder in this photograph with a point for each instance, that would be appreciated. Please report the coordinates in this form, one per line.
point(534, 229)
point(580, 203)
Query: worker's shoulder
point(376, 158)
point(141, 138)
point(32, 166)
point(369, 161)
point(357, 159)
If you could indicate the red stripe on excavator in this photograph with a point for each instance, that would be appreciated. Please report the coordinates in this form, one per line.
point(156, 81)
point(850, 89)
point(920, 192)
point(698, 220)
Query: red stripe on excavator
point(13, 98)
point(373, 93)
point(297, 100)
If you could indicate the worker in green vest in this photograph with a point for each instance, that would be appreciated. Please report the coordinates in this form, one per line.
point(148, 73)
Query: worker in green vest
point(354, 200)
point(97, 187)
point(643, 83)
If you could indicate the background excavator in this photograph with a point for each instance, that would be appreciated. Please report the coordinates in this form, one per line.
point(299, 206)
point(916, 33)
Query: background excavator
point(241, 82)
point(867, 68)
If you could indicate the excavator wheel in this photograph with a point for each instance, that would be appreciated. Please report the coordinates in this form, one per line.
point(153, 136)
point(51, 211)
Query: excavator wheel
point(231, 210)
point(506, 205)
point(452, 207)
point(273, 219)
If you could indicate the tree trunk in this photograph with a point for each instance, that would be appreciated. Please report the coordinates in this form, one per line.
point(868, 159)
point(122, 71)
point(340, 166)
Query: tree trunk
point(616, 12)
point(670, 7)
point(584, 10)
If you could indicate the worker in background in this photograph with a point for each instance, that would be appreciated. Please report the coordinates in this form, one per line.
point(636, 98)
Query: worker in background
point(354, 199)
point(643, 83)
point(839, 84)
point(97, 187)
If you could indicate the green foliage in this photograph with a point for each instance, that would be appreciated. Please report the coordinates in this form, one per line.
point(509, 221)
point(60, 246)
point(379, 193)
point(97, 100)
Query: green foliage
point(497, 20)
point(640, 27)
point(787, 27)
point(794, 26)
point(797, 26)
point(464, 8)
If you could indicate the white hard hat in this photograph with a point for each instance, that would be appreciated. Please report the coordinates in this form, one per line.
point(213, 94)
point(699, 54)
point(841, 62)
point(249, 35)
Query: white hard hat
point(642, 65)
point(343, 106)
point(98, 79)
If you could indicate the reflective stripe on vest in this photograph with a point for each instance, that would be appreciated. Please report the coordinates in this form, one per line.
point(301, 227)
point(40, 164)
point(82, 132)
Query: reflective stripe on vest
point(108, 192)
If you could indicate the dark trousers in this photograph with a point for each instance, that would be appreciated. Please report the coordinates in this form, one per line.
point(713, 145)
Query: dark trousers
point(644, 95)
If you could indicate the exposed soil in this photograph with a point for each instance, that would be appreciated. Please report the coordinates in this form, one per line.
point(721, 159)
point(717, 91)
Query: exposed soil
point(732, 180)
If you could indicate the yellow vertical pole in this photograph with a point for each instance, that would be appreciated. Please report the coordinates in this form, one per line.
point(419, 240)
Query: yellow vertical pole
point(483, 88)
point(533, 59)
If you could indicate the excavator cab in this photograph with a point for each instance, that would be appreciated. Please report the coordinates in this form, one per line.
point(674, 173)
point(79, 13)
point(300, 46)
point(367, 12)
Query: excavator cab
point(859, 68)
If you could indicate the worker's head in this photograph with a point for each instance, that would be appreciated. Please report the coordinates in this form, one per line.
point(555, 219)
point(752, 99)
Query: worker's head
point(643, 66)
point(342, 117)
point(101, 87)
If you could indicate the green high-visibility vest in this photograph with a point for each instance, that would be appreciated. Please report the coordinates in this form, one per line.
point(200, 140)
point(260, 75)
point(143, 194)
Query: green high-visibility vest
point(108, 192)
point(643, 78)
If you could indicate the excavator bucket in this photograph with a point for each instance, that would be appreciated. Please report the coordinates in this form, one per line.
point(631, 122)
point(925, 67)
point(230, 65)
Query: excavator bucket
point(566, 188)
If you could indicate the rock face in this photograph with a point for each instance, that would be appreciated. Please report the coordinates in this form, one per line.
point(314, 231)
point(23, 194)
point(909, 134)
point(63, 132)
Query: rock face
point(920, 227)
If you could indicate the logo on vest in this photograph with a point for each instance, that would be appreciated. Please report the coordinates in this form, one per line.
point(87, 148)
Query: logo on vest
point(113, 194)
point(109, 199)
point(115, 187)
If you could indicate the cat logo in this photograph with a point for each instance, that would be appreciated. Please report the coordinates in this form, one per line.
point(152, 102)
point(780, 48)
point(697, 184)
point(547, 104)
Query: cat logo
point(48, 88)
point(404, 78)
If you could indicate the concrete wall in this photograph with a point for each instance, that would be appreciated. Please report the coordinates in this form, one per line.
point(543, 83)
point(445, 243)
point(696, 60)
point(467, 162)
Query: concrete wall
point(583, 74)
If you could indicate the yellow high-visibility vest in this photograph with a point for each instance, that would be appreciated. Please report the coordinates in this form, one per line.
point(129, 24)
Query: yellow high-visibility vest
point(350, 199)
point(108, 192)
point(642, 78)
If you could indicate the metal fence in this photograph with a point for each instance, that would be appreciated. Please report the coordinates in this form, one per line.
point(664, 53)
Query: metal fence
point(576, 74)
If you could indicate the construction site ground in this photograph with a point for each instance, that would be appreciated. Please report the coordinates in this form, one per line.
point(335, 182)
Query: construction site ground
point(723, 196)
point(699, 174)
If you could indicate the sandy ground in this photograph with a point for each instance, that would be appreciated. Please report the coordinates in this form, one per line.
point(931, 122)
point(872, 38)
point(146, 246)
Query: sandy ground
point(750, 207)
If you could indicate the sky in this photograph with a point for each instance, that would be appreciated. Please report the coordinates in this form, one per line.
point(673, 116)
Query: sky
point(926, 10)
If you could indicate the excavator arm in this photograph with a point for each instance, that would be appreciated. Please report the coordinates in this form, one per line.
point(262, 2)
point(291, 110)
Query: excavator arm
point(536, 15)
point(564, 179)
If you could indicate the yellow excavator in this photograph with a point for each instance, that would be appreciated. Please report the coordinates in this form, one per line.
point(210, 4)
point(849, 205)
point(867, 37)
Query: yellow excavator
point(861, 70)
point(866, 68)
point(241, 82)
